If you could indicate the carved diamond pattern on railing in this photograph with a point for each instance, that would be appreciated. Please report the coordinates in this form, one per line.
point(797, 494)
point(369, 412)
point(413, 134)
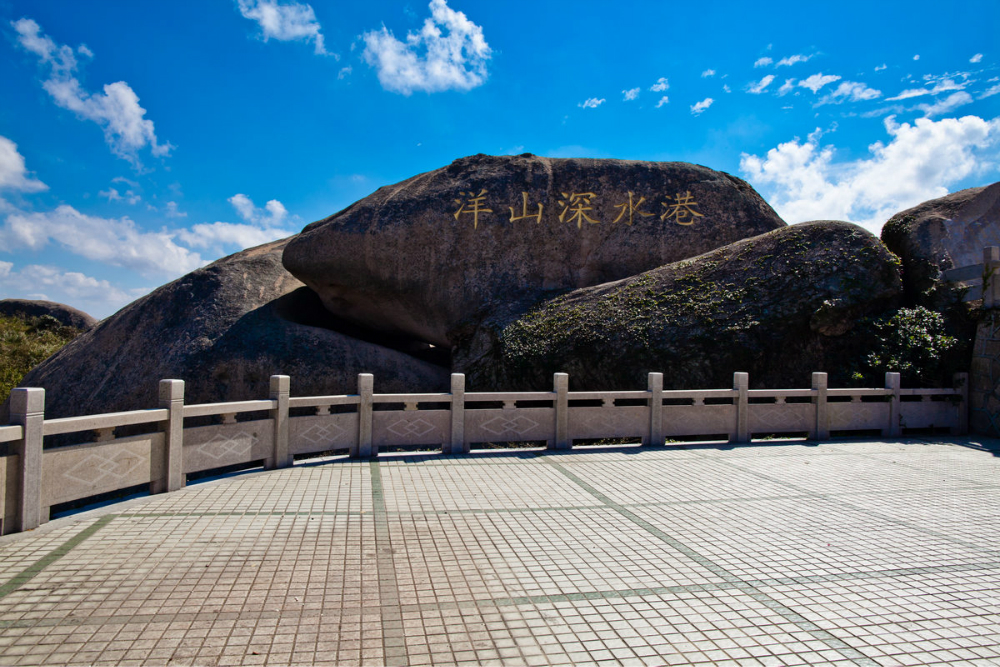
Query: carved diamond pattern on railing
point(846, 415)
point(413, 427)
point(96, 468)
point(225, 447)
point(519, 425)
point(602, 421)
point(322, 433)
point(775, 416)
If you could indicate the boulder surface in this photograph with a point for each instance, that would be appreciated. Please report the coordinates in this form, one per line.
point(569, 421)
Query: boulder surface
point(778, 306)
point(942, 234)
point(65, 315)
point(224, 329)
point(429, 255)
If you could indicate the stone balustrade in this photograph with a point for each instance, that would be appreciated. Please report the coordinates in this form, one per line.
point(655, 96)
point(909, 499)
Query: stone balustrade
point(35, 477)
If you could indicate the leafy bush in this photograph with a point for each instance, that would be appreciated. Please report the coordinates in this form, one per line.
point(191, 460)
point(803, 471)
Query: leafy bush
point(911, 341)
point(25, 343)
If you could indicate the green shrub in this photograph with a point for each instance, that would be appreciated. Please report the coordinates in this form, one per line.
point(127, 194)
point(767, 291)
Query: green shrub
point(25, 343)
point(911, 341)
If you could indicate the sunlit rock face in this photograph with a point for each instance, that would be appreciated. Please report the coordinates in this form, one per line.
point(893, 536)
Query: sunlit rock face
point(431, 256)
point(942, 234)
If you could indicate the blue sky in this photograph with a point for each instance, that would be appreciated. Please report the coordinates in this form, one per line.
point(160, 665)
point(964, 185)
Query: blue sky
point(140, 140)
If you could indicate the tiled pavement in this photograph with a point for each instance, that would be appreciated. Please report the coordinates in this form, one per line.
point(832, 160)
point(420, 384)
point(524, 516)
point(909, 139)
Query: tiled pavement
point(776, 553)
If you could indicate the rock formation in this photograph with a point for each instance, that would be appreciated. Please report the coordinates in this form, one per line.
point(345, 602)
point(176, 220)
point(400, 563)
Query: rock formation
point(65, 315)
point(941, 234)
point(779, 306)
point(430, 255)
point(224, 329)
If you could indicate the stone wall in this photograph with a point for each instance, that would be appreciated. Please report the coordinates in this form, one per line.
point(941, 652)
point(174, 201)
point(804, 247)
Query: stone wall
point(984, 394)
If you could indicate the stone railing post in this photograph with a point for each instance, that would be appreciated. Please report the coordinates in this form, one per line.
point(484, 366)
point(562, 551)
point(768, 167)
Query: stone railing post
point(655, 384)
point(741, 383)
point(991, 281)
point(172, 400)
point(456, 444)
point(364, 449)
point(894, 428)
point(280, 387)
point(560, 382)
point(821, 430)
point(27, 410)
point(961, 382)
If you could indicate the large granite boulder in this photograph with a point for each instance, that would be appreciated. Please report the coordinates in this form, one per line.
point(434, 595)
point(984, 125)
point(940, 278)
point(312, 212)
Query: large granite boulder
point(65, 315)
point(223, 329)
point(430, 255)
point(778, 306)
point(942, 234)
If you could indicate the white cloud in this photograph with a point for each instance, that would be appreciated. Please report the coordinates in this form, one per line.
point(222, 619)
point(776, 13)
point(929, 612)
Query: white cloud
point(850, 91)
point(946, 105)
point(663, 100)
point(990, 92)
point(631, 94)
point(118, 242)
point(173, 212)
point(13, 173)
point(699, 107)
point(916, 57)
point(791, 60)
point(207, 235)
point(881, 67)
point(763, 62)
point(941, 86)
point(759, 87)
point(344, 72)
point(273, 213)
point(660, 85)
point(591, 103)
point(707, 73)
point(976, 58)
point(111, 194)
point(802, 181)
point(817, 81)
point(787, 87)
point(284, 22)
point(455, 54)
point(97, 297)
point(117, 110)
point(725, 88)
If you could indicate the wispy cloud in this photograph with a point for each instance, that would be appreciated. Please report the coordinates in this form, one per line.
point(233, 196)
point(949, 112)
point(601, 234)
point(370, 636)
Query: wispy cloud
point(792, 60)
point(261, 225)
point(763, 62)
point(947, 105)
point(663, 100)
point(660, 85)
point(699, 107)
point(817, 81)
point(118, 242)
point(881, 67)
point(803, 181)
point(117, 110)
point(284, 22)
point(759, 87)
point(591, 103)
point(13, 172)
point(449, 53)
point(787, 87)
point(707, 73)
point(941, 86)
point(976, 58)
point(631, 94)
point(37, 281)
point(850, 91)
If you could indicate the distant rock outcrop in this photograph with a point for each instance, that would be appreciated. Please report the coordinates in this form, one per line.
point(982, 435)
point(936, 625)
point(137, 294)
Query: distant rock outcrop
point(430, 255)
point(941, 234)
point(778, 306)
point(65, 315)
point(223, 329)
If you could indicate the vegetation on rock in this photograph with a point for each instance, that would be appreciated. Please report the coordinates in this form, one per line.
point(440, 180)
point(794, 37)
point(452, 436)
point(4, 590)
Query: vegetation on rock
point(25, 343)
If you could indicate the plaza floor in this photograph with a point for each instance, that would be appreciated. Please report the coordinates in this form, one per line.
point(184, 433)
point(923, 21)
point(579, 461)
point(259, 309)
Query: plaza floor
point(776, 553)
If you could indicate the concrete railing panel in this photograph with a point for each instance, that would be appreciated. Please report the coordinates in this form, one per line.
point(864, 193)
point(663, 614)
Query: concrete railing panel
point(512, 425)
point(322, 433)
point(688, 420)
point(608, 422)
point(411, 427)
point(221, 445)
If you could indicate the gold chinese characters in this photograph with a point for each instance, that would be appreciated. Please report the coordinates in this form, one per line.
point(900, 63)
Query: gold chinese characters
point(579, 208)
